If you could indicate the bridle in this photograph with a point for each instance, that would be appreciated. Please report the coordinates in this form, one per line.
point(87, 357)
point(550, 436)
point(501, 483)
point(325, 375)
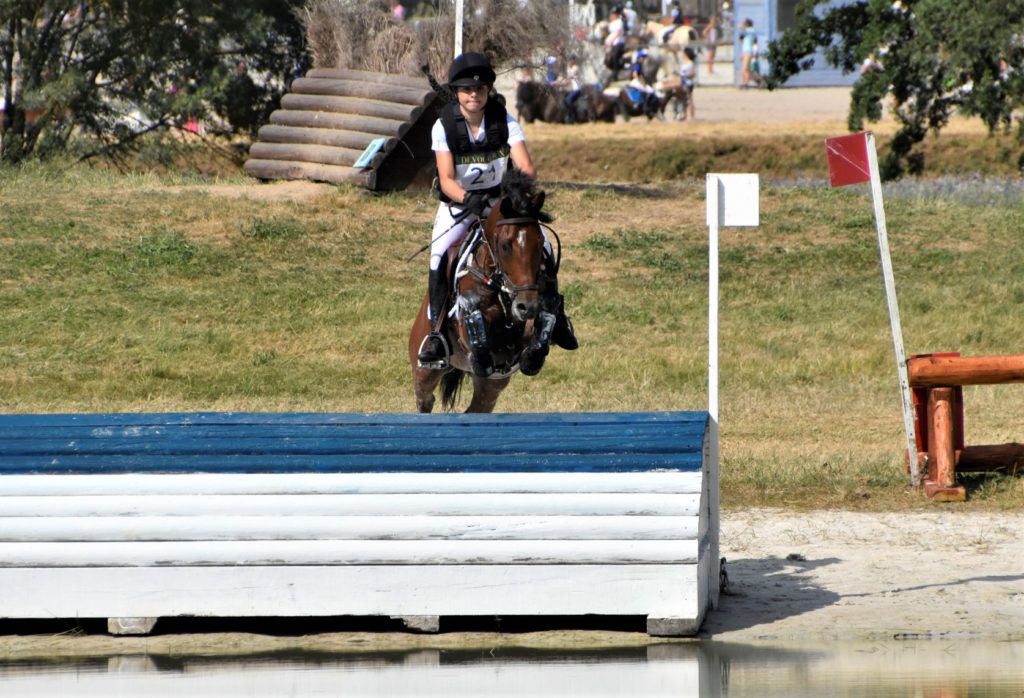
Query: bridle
point(497, 280)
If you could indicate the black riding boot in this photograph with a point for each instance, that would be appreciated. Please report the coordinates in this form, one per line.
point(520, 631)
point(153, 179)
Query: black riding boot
point(558, 331)
point(434, 349)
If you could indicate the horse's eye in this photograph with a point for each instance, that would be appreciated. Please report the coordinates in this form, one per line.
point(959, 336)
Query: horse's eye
point(506, 247)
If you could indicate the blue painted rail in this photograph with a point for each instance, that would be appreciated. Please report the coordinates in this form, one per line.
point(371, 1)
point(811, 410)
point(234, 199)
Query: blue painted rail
point(254, 442)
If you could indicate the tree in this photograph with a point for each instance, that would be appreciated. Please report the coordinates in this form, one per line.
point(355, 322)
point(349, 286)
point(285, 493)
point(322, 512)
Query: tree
point(931, 58)
point(118, 69)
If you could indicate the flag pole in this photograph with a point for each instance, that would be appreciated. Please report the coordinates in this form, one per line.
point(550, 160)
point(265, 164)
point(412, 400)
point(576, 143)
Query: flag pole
point(458, 26)
point(894, 311)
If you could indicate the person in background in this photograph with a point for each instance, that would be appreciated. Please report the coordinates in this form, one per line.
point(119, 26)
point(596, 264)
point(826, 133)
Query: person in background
point(747, 40)
point(641, 91)
point(615, 42)
point(676, 13)
point(710, 35)
point(630, 21)
point(572, 85)
point(551, 67)
point(398, 10)
point(688, 80)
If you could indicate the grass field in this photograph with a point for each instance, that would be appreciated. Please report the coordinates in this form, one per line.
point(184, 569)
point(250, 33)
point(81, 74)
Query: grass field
point(146, 293)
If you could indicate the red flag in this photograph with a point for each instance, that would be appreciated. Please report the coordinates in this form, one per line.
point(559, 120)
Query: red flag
point(848, 159)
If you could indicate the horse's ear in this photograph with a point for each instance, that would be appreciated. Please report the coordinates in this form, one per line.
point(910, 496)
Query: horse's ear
point(538, 201)
point(507, 209)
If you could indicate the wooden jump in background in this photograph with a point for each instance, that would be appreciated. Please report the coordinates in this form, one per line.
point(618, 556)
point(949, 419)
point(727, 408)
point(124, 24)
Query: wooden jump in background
point(937, 381)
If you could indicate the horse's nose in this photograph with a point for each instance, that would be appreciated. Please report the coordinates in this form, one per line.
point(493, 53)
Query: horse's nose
point(523, 310)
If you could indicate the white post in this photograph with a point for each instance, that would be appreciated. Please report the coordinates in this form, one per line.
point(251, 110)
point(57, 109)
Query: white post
point(459, 11)
point(712, 187)
point(894, 311)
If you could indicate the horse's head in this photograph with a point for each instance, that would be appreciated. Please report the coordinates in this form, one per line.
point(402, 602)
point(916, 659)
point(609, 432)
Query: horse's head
point(515, 243)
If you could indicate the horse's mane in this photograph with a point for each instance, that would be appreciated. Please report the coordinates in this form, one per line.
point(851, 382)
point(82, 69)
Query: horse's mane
point(522, 193)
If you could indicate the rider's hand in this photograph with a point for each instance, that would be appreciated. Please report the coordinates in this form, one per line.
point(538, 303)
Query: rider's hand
point(476, 203)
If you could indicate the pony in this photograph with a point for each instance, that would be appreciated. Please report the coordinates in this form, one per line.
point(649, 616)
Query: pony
point(537, 101)
point(634, 102)
point(594, 105)
point(493, 334)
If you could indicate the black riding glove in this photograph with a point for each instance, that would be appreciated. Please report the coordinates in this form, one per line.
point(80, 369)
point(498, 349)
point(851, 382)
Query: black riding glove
point(476, 203)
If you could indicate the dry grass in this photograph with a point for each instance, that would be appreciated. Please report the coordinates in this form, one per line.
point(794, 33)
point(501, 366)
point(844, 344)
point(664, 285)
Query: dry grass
point(361, 34)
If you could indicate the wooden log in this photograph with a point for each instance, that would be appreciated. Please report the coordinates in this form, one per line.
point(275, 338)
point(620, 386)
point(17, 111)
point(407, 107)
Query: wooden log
point(350, 122)
point(384, 92)
point(584, 504)
point(372, 108)
point(139, 484)
point(335, 174)
point(41, 529)
point(368, 76)
point(91, 592)
point(321, 120)
point(928, 371)
point(309, 152)
point(348, 552)
point(942, 463)
point(273, 133)
point(1008, 457)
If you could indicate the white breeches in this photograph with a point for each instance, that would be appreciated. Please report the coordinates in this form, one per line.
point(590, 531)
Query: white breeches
point(447, 232)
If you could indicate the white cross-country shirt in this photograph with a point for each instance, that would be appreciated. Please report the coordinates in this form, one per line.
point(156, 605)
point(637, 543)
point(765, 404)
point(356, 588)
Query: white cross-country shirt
point(485, 174)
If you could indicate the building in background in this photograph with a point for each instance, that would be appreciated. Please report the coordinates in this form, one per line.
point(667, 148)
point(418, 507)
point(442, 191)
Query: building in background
point(771, 20)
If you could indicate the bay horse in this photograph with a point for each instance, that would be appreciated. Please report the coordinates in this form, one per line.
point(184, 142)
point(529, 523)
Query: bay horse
point(492, 335)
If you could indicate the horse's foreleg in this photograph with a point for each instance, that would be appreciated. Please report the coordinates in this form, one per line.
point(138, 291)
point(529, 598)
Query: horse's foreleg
point(485, 393)
point(425, 381)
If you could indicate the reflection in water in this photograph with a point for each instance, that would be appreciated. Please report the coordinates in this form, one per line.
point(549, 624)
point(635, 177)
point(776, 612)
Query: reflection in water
point(924, 669)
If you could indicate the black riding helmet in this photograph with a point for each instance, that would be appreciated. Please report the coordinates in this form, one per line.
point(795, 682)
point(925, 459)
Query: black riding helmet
point(470, 70)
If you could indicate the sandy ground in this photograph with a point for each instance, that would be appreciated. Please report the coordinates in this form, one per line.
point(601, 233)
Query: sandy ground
point(845, 575)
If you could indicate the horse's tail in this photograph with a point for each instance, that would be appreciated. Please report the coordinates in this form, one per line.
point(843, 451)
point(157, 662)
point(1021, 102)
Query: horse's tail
point(451, 382)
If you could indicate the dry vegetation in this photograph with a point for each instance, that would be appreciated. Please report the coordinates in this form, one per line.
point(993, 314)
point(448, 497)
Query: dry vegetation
point(361, 34)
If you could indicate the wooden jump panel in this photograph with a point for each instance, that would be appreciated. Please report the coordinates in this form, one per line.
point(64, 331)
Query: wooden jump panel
point(142, 516)
point(937, 381)
point(330, 117)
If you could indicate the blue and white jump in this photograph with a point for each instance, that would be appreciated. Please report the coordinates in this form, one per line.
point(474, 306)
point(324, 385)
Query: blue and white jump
point(134, 517)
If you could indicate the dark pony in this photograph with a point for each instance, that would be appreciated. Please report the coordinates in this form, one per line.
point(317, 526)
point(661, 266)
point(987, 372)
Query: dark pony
point(493, 334)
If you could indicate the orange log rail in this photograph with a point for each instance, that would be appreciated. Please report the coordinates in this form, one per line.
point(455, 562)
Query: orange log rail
point(938, 401)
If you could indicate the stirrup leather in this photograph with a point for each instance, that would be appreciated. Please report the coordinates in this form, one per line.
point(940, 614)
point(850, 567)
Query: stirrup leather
point(440, 363)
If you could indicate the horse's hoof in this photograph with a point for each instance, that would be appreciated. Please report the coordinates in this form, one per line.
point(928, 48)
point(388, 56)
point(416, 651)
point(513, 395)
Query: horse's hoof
point(532, 360)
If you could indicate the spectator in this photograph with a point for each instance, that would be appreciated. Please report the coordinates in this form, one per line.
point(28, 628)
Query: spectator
point(871, 64)
point(688, 80)
point(710, 36)
point(747, 41)
point(551, 63)
point(398, 10)
point(630, 21)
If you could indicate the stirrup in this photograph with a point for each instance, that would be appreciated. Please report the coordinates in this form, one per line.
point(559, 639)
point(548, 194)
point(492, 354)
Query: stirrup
point(429, 362)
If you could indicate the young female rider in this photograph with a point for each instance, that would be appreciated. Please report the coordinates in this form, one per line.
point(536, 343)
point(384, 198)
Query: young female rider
point(472, 142)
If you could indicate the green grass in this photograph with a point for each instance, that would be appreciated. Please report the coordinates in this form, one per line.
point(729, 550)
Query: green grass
point(141, 293)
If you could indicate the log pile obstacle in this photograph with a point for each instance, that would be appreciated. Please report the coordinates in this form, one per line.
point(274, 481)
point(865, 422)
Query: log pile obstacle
point(937, 381)
point(329, 118)
point(134, 517)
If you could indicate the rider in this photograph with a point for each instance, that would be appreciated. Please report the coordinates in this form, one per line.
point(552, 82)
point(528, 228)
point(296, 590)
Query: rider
point(643, 94)
point(472, 142)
